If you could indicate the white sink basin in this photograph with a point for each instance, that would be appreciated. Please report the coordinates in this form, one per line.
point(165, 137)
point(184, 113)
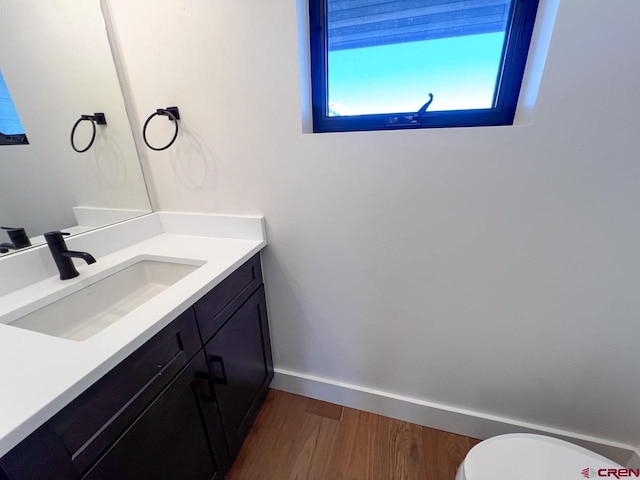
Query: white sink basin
point(82, 314)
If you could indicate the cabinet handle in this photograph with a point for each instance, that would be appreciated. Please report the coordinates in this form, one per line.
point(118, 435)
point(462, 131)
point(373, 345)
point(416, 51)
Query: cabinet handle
point(200, 378)
point(218, 373)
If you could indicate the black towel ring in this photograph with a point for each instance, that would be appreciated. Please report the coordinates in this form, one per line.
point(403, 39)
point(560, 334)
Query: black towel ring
point(174, 116)
point(98, 118)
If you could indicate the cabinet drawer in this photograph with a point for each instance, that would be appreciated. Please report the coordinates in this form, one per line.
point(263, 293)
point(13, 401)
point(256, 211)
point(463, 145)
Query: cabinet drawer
point(89, 424)
point(217, 306)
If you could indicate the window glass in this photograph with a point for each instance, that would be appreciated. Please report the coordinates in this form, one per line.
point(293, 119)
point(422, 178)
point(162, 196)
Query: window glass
point(9, 121)
point(460, 72)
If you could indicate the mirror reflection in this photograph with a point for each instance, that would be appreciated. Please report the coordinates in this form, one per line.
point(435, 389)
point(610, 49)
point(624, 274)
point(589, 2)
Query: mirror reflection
point(57, 65)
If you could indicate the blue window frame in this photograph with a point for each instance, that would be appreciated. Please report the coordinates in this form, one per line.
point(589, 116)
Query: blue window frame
point(395, 64)
point(11, 130)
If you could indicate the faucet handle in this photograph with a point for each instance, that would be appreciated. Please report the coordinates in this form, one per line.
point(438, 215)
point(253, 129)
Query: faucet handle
point(55, 236)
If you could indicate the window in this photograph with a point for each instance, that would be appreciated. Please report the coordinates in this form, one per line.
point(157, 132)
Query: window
point(390, 64)
point(11, 131)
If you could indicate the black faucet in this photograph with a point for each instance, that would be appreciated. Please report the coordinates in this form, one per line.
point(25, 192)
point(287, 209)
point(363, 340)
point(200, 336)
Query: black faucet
point(18, 237)
point(62, 256)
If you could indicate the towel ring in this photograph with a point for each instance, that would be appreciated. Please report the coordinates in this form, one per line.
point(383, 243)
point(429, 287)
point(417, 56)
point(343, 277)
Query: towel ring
point(98, 118)
point(174, 116)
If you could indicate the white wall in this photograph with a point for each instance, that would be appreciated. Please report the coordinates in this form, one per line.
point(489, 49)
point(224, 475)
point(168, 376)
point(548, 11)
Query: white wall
point(493, 269)
point(57, 65)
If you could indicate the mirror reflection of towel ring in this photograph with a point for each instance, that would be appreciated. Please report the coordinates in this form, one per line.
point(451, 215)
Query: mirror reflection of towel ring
point(96, 118)
point(174, 116)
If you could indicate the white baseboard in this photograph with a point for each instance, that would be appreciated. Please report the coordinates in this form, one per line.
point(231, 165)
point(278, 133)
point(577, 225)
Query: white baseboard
point(438, 416)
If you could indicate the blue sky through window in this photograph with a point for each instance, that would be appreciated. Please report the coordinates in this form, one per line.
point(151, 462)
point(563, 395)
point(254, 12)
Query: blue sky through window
point(9, 121)
point(461, 73)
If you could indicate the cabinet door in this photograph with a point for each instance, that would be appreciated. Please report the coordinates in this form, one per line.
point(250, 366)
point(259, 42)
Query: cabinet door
point(178, 437)
point(239, 357)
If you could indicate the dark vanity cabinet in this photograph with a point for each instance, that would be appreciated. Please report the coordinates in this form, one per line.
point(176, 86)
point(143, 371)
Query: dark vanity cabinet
point(179, 407)
point(173, 438)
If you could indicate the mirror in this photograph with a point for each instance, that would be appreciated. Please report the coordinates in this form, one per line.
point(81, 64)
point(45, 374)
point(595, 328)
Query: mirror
point(57, 64)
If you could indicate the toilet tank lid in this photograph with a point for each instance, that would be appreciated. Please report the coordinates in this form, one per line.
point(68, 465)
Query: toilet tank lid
point(532, 457)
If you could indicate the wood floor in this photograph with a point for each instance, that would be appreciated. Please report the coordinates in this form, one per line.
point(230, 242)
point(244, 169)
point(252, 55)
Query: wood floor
point(300, 438)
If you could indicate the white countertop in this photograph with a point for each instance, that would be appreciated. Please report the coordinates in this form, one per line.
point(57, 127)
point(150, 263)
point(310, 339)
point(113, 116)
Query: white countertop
point(41, 373)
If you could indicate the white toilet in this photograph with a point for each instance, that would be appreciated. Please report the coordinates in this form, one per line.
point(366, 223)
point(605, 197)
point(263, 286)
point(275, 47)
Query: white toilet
point(530, 457)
